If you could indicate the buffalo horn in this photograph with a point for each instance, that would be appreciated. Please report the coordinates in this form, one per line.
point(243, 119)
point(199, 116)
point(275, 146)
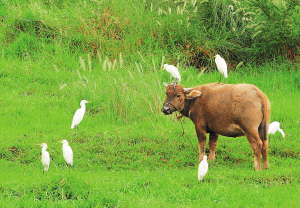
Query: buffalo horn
point(187, 89)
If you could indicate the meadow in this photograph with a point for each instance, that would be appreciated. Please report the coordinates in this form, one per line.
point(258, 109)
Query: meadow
point(126, 152)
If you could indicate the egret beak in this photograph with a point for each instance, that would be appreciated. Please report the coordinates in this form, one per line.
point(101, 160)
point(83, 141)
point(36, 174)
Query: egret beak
point(60, 141)
point(89, 101)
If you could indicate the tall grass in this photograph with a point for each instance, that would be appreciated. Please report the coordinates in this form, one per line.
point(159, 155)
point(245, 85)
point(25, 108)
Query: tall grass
point(186, 32)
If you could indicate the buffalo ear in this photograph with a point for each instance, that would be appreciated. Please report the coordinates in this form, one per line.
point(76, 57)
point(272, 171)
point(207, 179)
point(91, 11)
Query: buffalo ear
point(166, 85)
point(193, 94)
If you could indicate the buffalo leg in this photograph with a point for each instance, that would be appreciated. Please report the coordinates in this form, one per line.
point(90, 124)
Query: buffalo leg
point(213, 139)
point(201, 134)
point(256, 144)
point(263, 136)
point(264, 152)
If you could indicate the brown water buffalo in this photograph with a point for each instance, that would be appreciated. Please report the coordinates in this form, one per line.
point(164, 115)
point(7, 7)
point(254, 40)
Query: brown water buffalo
point(227, 109)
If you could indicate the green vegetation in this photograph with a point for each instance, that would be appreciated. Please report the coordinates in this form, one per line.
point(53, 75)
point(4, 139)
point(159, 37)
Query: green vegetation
point(127, 153)
point(190, 32)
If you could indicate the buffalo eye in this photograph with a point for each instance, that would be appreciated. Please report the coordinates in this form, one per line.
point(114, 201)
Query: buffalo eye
point(179, 95)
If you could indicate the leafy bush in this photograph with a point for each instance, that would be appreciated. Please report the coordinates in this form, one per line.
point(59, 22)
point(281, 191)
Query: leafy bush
point(189, 32)
point(274, 27)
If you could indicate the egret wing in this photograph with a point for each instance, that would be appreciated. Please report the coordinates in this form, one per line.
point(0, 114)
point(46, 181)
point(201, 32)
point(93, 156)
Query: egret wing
point(175, 73)
point(77, 118)
point(46, 160)
point(222, 66)
point(203, 168)
point(68, 155)
point(273, 127)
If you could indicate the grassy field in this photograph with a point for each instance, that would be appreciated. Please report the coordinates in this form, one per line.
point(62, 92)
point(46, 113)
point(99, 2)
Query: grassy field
point(126, 152)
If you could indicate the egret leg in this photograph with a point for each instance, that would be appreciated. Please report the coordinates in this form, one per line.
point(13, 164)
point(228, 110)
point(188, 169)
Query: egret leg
point(46, 172)
point(174, 80)
point(66, 164)
point(201, 181)
point(77, 129)
point(220, 79)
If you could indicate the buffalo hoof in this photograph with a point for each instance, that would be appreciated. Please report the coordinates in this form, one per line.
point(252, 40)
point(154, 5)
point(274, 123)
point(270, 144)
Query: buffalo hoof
point(211, 158)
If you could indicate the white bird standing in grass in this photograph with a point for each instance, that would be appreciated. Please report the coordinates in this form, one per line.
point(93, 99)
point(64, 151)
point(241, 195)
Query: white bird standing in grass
point(45, 157)
point(274, 127)
point(203, 168)
point(222, 66)
point(173, 71)
point(78, 116)
point(67, 152)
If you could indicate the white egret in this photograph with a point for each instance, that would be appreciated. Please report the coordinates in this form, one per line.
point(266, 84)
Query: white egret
point(45, 157)
point(274, 127)
point(173, 71)
point(78, 116)
point(222, 66)
point(203, 168)
point(67, 152)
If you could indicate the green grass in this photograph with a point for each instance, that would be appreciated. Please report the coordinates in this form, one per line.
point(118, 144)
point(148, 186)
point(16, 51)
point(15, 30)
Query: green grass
point(223, 187)
point(126, 152)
